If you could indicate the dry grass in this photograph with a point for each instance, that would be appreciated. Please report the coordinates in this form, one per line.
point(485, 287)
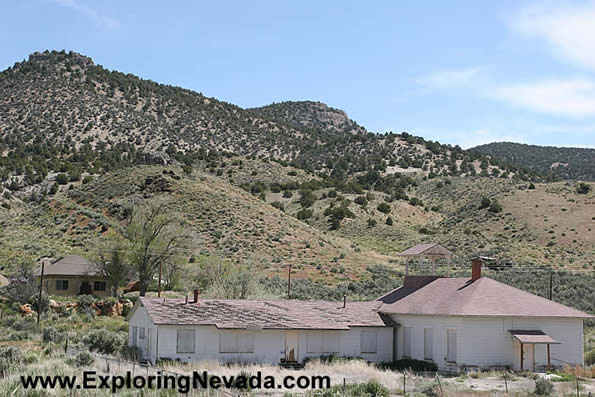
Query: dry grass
point(353, 371)
point(580, 371)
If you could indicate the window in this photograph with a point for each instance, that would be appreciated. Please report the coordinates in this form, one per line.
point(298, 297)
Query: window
point(141, 333)
point(451, 345)
point(236, 342)
point(406, 341)
point(134, 336)
point(99, 285)
point(185, 341)
point(315, 343)
point(61, 285)
point(369, 341)
point(322, 342)
point(428, 344)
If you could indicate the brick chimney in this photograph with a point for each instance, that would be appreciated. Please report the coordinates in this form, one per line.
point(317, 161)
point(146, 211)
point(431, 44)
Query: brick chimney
point(195, 296)
point(475, 269)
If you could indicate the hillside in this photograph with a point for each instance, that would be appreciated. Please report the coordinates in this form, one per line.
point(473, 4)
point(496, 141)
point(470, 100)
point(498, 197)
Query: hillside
point(550, 162)
point(60, 111)
point(290, 183)
point(310, 115)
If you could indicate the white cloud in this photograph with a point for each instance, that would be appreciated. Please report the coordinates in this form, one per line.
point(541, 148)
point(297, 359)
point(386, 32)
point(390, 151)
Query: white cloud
point(569, 31)
point(448, 78)
point(573, 97)
point(102, 20)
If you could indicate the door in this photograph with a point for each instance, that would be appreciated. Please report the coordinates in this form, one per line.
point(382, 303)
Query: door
point(148, 348)
point(451, 345)
point(291, 346)
point(528, 357)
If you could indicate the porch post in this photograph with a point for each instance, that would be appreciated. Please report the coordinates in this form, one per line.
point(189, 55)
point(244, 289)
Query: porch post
point(521, 356)
point(549, 363)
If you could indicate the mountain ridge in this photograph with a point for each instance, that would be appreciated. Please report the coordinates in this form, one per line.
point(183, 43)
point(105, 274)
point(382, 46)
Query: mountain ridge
point(549, 162)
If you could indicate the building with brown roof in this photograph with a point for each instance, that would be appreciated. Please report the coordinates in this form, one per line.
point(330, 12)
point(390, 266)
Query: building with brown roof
point(273, 332)
point(455, 322)
point(431, 251)
point(480, 322)
point(73, 275)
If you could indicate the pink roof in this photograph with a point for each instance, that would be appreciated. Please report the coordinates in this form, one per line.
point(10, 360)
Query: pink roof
point(483, 297)
point(282, 314)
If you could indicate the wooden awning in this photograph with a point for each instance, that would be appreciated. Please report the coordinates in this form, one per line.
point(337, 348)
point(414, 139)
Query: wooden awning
point(532, 337)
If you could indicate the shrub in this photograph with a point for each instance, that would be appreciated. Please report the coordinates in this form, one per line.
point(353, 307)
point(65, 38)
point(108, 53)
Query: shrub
point(45, 302)
point(82, 359)
point(389, 221)
point(287, 194)
point(543, 387)
point(86, 303)
point(372, 388)
point(415, 201)
point(9, 357)
point(405, 364)
point(130, 353)
point(51, 334)
point(361, 200)
point(104, 341)
point(583, 188)
point(279, 205)
point(89, 178)
point(485, 203)
point(371, 222)
point(531, 186)
point(495, 207)
point(62, 179)
point(384, 207)
point(304, 214)
point(590, 357)
point(307, 198)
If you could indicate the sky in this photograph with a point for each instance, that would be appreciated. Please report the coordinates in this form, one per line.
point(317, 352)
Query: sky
point(459, 72)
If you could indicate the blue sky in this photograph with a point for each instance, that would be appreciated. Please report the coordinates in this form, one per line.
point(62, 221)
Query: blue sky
point(463, 72)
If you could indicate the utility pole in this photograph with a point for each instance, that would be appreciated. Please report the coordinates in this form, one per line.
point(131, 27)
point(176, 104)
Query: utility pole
point(551, 285)
point(40, 291)
point(289, 283)
point(159, 286)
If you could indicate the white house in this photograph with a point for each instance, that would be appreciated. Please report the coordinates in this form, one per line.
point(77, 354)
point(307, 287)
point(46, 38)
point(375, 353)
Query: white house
point(480, 322)
point(454, 322)
point(258, 331)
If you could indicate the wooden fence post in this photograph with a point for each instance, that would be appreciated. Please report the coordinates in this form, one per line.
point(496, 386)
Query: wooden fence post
point(404, 383)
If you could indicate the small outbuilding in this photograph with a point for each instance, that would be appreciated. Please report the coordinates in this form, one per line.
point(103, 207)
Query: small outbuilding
point(73, 275)
point(431, 251)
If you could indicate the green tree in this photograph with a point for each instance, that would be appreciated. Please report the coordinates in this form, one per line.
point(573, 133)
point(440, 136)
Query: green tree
point(384, 207)
point(111, 259)
point(154, 237)
point(583, 188)
point(485, 203)
point(62, 179)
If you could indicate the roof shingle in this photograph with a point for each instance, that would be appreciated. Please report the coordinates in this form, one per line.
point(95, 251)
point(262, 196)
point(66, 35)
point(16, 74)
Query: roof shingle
point(483, 297)
point(282, 314)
